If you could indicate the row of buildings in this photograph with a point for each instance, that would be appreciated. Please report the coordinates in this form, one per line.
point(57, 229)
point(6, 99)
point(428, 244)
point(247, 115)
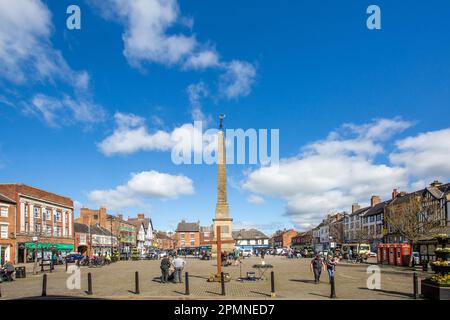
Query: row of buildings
point(368, 224)
point(35, 221)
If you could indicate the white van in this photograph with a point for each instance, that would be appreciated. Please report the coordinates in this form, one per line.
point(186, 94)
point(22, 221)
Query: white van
point(247, 252)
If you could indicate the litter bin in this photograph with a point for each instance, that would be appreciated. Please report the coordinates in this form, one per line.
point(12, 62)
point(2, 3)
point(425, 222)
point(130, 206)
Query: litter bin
point(20, 272)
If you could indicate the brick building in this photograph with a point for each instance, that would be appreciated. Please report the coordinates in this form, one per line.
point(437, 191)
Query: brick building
point(93, 239)
point(42, 219)
point(187, 235)
point(164, 241)
point(283, 239)
point(124, 231)
point(303, 240)
point(7, 229)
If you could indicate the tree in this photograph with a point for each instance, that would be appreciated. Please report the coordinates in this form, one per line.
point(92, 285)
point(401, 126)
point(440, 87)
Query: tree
point(415, 218)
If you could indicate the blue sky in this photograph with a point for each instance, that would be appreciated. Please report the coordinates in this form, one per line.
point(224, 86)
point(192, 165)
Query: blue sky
point(359, 111)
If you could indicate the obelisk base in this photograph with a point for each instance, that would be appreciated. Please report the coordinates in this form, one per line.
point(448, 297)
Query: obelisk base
point(226, 225)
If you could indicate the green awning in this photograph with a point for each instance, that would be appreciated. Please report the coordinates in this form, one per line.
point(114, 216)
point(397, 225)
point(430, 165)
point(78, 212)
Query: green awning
point(57, 246)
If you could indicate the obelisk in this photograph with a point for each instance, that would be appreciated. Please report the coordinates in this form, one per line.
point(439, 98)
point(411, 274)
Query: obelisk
point(222, 217)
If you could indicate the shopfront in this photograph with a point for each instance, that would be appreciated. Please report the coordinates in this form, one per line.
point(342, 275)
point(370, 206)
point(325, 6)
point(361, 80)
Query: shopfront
point(5, 254)
point(45, 249)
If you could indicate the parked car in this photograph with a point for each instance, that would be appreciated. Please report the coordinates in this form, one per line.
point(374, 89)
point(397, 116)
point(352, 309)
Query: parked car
point(372, 254)
point(247, 253)
point(71, 258)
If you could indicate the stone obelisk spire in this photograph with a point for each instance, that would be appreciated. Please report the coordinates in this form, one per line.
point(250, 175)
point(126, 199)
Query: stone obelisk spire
point(222, 217)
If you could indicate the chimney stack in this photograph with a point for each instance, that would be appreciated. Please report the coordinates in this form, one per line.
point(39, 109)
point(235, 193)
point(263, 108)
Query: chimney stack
point(141, 216)
point(355, 207)
point(394, 193)
point(435, 184)
point(374, 200)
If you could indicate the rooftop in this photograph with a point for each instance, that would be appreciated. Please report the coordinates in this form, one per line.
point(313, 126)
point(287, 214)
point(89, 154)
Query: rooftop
point(249, 234)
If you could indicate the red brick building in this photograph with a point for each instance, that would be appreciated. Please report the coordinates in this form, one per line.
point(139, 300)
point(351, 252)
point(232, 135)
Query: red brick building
point(7, 229)
point(187, 235)
point(283, 239)
point(164, 241)
point(42, 219)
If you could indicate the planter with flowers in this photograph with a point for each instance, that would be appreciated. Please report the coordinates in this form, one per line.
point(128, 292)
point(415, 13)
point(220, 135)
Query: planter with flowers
point(438, 286)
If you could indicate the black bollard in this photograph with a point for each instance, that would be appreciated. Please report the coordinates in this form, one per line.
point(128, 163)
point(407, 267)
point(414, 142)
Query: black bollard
point(44, 285)
point(222, 283)
point(0, 290)
point(415, 285)
point(187, 283)
point(333, 290)
point(136, 282)
point(89, 292)
point(272, 284)
point(66, 265)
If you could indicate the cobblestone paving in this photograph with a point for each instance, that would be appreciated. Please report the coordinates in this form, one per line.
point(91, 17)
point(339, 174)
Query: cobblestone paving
point(293, 280)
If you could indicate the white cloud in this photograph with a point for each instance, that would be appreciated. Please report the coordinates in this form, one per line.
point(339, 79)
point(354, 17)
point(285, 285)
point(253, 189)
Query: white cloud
point(149, 36)
point(146, 184)
point(331, 174)
point(203, 60)
point(131, 135)
point(61, 111)
point(27, 57)
point(237, 79)
point(426, 155)
point(255, 199)
point(196, 92)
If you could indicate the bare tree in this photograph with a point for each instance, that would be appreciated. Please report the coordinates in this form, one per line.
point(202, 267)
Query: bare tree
point(415, 218)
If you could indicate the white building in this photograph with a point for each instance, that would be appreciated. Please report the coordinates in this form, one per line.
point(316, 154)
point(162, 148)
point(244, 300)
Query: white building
point(144, 233)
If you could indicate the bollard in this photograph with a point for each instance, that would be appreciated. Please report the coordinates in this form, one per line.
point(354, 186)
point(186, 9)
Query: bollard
point(187, 283)
point(415, 285)
point(0, 290)
point(222, 283)
point(44, 285)
point(272, 285)
point(136, 282)
point(66, 265)
point(333, 290)
point(89, 292)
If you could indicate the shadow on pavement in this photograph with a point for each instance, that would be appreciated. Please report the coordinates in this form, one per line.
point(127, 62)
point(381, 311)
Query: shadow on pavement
point(302, 280)
point(389, 292)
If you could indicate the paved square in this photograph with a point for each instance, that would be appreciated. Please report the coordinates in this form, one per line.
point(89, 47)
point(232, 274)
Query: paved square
point(293, 280)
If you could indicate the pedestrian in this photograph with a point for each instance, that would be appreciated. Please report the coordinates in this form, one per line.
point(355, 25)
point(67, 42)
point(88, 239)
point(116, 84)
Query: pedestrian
point(165, 266)
point(316, 267)
point(178, 264)
point(263, 253)
point(350, 255)
point(331, 266)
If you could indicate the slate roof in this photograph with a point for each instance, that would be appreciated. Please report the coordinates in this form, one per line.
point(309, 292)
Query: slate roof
point(248, 234)
point(94, 229)
point(359, 211)
point(4, 198)
point(377, 209)
point(137, 222)
point(184, 226)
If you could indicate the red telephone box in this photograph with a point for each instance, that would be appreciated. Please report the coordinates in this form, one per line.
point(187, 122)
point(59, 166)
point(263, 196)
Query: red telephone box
point(402, 254)
point(385, 254)
point(392, 259)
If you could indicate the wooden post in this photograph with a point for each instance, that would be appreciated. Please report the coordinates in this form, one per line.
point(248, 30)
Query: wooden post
point(219, 250)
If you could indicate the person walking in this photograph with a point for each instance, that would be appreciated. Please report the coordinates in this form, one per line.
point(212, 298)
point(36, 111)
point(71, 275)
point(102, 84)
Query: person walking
point(178, 264)
point(165, 266)
point(331, 266)
point(350, 255)
point(316, 267)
